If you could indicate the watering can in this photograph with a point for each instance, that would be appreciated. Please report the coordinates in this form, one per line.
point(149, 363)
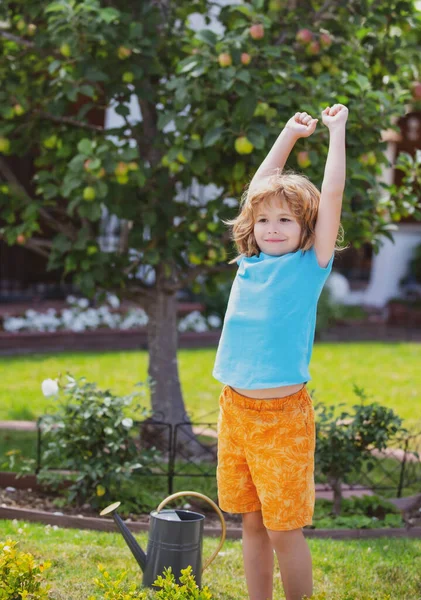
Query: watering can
point(175, 539)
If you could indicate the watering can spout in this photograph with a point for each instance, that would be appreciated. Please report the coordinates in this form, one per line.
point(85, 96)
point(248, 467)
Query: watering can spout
point(135, 549)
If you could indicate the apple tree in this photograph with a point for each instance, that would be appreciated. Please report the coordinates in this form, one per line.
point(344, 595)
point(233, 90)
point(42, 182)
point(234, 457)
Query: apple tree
point(211, 106)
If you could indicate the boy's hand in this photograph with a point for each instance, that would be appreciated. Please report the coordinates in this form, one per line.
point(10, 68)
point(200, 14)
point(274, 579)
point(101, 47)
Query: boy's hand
point(302, 124)
point(335, 116)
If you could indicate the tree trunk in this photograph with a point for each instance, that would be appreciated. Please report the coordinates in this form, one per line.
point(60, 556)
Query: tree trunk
point(336, 485)
point(166, 395)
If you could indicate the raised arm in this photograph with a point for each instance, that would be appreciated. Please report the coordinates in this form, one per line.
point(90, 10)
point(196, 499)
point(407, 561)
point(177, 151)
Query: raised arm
point(300, 125)
point(329, 213)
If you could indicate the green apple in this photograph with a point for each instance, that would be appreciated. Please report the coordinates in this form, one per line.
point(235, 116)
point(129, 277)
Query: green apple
point(121, 169)
point(128, 77)
point(50, 142)
point(65, 50)
point(225, 59)
point(89, 193)
point(303, 159)
point(174, 167)
point(317, 68)
point(123, 52)
point(261, 109)
point(194, 259)
point(243, 145)
point(19, 110)
point(4, 145)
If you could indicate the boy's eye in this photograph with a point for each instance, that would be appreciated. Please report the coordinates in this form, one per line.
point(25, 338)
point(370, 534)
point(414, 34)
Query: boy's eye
point(285, 219)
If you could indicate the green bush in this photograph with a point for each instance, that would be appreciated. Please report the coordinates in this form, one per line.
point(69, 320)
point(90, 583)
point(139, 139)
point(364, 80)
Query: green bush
point(91, 436)
point(20, 576)
point(345, 442)
point(366, 512)
point(119, 589)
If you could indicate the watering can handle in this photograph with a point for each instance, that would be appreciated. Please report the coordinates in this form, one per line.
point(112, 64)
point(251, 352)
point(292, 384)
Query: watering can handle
point(214, 506)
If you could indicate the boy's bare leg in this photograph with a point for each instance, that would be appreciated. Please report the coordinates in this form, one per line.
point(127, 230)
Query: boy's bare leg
point(258, 557)
point(295, 563)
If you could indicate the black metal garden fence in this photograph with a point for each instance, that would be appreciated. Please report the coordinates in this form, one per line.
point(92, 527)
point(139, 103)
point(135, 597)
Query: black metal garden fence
point(189, 449)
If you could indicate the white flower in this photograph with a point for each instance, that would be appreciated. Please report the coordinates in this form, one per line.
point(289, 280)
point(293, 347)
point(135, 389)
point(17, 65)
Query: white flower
point(214, 321)
point(49, 387)
point(127, 423)
point(113, 300)
point(83, 302)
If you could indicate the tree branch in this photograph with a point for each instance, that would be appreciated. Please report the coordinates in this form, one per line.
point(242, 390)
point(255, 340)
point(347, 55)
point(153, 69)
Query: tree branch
point(69, 121)
point(16, 39)
point(140, 291)
point(15, 183)
point(37, 246)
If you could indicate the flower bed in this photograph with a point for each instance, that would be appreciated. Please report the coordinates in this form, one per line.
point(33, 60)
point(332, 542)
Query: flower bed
point(81, 327)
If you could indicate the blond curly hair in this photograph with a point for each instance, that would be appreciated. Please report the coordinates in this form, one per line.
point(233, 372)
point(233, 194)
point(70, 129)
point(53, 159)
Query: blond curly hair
point(302, 198)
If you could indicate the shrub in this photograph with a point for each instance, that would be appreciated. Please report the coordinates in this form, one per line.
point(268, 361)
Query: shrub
point(344, 443)
point(20, 576)
point(119, 589)
point(90, 435)
point(170, 590)
point(116, 589)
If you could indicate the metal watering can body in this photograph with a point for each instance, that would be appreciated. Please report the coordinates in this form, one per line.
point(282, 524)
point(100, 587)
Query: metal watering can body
point(175, 540)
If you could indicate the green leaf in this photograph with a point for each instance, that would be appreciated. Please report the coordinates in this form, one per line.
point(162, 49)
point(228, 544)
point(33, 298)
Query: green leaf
point(122, 110)
point(76, 164)
point(239, 171)
point(164, 119)
point(70, 183)
point(244, 76)
point(56, 7)
point(87, 90)
point(207, 36)
point(187, 64)
point(198, 164)
point(212, 136)
point(109, 14)
point(256, 139)
point(102, 189)
point(85, 146)
point(244, 108)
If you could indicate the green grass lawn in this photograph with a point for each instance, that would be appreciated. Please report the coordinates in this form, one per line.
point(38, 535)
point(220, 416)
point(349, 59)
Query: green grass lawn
point(389, 372)
point(381, 569)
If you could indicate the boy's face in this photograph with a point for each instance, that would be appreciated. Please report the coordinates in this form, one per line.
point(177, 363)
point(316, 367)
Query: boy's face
point(274, 221)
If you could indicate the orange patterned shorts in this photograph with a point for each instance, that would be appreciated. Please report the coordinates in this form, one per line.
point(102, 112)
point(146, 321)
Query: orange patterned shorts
point(266, 457)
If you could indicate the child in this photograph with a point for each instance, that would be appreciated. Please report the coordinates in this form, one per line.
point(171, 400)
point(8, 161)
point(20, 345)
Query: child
point(286, 233)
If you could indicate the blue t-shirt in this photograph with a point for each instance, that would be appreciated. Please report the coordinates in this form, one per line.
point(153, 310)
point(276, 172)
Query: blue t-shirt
point(268, 332)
